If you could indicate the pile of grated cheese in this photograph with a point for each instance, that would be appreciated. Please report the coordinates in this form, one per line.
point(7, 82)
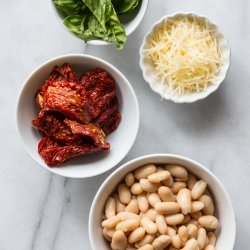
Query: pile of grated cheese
point(185, 54)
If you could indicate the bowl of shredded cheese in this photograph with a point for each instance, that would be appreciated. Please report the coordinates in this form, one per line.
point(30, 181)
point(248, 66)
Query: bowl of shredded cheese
point(184, 57)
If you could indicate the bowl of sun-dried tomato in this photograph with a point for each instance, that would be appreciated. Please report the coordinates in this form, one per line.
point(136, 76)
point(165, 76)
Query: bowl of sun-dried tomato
point(77, 115)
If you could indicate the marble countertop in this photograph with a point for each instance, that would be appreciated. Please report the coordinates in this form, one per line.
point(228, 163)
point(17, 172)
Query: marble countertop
point(42, 211)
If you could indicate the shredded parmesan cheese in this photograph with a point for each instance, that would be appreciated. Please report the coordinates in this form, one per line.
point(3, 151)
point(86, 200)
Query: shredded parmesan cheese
point(185, 54)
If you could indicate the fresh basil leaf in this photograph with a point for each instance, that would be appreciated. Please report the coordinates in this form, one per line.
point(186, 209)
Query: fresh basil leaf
point(101, 9)
point(69, 7)
point(124, 6)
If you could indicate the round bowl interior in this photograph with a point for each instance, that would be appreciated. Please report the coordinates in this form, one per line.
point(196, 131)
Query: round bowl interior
point(224, 210)
point(130, 20)
point(153, 80)
point(121, 140)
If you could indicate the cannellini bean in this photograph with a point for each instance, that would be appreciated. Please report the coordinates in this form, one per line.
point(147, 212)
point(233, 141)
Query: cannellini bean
point(119, 240)
point(177, 171)
point(177, 186)
point(197, 206)
point(208, 221)
point(211, 238)
point(111, 222)
point(167, 207)
point(174, 219)
point(149, 226)
point(176, 241)
point(192, 231)
point(183, 233)
point(161, 242)
point(166, 194)
point(169, 182)
point(191, 244)
point(161, 224)
point(119, 207)
point(198, 189)
point(201, 238)
point(153, 198)
point(160, 169)
point(196, 215)
point(208, 205)
point(147, 239)
point(191, 181)
point(136, 235)
point(108, 233)
point(129, 179)
point(128, 225)
point(145, 171)
point(151, 214)
point(184, 200)
point(143, 202)
point(209, 247)
point(148, 186)
point(132, 207)
point(110, 208)
point(136, 188)
point(186, 218)
point(124, 193)
point(159, 176)
point(171, 232)
point(146, 247)
point(128, 216)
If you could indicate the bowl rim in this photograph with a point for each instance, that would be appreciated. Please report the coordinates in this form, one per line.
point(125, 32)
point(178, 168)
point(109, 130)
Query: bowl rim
point(198, 95)
point(141, 14)
point(85, 56)
point(148, 158)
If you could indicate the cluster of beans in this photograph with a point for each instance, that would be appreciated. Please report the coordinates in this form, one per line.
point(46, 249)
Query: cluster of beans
point(160, 207)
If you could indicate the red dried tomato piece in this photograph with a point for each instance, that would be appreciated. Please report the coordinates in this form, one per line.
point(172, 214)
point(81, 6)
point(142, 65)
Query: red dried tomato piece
point(89, 130)
point(52, 124)
point(99, 90)
point(53, 153)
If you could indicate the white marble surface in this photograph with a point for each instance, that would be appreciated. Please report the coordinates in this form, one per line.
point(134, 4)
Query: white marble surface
point(42, 211)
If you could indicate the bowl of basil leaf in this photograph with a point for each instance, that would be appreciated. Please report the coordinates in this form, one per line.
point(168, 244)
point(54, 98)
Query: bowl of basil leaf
point(101, 22)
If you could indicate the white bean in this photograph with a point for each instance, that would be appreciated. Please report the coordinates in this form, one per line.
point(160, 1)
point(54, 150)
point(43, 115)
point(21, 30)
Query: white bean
point(208, 221)
point(191, 244)
point(201, 238)
point(146, 247)
point(169, 182)
point(161, 224)
point(208, 205)
point(124, 193)
point(132, 207)
point(119, 240)
point(136, 188)
point(184, 200)
point(136, 235)
point(111, 222)
point(177, 171)
point(192, 231)
point(128, 225)
point(166, 194)
point(183, 233)
point(129, 179)
point(148, 186)
point(198, 189)
point(149, 226)
point(147, 239)
point(171, 232)
point(176, 241)
point(110, 208)
point(151, 214)
point(161, 242)
point(127, 216)
point(143, 202)
point(119, 207)
point(191, 181)
point(167, 207)
point(153, 198)
point(174, 219)
point(196, 215)
point(211, 238)
point(159, 176)
point(108, 233)
point(209, 247)
point(145, 171)
point(197, 206)
point(177, 186)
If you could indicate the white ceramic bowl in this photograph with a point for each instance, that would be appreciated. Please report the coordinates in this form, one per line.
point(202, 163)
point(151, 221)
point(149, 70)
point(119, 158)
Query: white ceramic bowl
point(224, 210)
point(130, 21)
point(148, 69)
point(121, 140)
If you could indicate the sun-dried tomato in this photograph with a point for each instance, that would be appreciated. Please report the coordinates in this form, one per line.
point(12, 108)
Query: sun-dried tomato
point(54, 154)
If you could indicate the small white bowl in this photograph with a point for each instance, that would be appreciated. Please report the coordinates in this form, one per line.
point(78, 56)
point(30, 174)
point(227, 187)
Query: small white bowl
point(130, 20)
point(224, 210)
point(121, 140)
point(148, 68)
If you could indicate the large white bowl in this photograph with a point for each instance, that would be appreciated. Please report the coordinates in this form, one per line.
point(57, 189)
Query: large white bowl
point(121, 140)
point(130, 20)
point(148, 68)
point(224, 210)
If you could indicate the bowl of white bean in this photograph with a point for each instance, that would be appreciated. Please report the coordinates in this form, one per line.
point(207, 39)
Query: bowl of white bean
point(162, 201)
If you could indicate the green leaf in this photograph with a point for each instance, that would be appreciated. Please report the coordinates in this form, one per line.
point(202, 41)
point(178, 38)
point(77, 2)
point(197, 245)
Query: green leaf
point(101, 9)
point(124, 6)
point(69, 7)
